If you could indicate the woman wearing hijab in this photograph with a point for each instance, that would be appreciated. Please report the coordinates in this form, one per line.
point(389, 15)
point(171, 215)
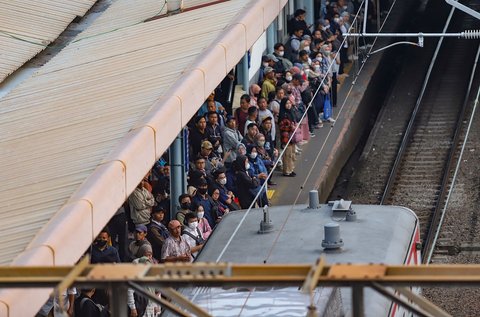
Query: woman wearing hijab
point(286, 122)
point(244, 182)
point(257, 169)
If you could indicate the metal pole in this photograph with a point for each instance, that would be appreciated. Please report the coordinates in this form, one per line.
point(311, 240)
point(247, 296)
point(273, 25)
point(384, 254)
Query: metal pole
point(365, 14)
point(357, 301)
point(118, 299)
point(245, 79)
point(419, 34)
point(291, 7)
point(300, 4)
point(177, 173)
point(310, 14)
point(378, 15)
point(270, 37)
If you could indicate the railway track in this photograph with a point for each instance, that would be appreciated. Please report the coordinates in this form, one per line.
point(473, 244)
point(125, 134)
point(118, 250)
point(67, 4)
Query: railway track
point(421, 174)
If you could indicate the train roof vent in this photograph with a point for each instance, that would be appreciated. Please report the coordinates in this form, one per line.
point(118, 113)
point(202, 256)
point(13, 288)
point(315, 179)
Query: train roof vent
point(332, 238)
point(341, 205)
point(266, 225)
point(313, 199)
point(343, 209)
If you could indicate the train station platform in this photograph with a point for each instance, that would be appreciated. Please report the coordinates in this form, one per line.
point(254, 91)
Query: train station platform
point(323, 157)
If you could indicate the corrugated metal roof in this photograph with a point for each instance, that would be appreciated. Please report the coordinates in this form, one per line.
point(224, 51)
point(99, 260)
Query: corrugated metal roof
point(26, 27)
point(114, 16)
point(74, 111)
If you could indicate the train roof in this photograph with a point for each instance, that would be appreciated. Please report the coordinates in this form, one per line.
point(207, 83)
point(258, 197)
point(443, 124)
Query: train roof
point(380, 234)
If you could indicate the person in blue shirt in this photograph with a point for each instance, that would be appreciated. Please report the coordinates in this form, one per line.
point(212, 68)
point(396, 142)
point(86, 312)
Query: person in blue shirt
point(257, 169)
point(201, 197)
point(204, 108)
point(101, 251)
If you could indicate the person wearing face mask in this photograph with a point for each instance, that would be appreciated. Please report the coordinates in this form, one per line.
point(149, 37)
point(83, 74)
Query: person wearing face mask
point(226, 196)
point(203, 225)
point(267, 156)
point(288, 76)
point(220, 209)
point(101, 251)
point(258, 170)
point(192, 234)
point(202, 198)
point(261, 72)
point(279, 53)
point(244, 182)
point(185, 201)
point(327, 34)
point(257, 167)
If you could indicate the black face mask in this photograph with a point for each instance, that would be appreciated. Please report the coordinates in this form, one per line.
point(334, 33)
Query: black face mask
point(100, 243)
point(185, 205)
point(202, 191)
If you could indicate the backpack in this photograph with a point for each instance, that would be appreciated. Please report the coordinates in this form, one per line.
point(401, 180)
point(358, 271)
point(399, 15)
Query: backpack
point(290, 53)
point(198, 240)
point(307, 96)
point(141, 304)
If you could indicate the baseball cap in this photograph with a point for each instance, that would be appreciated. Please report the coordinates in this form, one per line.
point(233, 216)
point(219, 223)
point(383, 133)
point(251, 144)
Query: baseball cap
point(141, 228)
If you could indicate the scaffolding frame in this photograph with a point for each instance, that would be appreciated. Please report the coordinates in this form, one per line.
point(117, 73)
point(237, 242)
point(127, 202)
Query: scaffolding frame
point(391, 281)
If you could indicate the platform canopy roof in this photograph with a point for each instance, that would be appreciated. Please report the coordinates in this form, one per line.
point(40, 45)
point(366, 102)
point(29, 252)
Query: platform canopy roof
point(27, 27)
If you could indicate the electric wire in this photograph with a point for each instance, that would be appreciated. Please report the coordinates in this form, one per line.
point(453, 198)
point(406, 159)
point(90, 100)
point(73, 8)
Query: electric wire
point(457, 167)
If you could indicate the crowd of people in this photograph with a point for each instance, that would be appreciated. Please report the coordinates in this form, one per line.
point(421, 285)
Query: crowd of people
point(232, 155)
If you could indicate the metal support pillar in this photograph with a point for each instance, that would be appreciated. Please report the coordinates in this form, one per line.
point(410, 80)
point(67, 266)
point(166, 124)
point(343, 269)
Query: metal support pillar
point(280, 25)
point(177, 183)
point(323, 9)
point(245, 79)
point(310, 17)
point(270, 37)
point(357, 301)
point(291, 7)
point(300, 4)
point(365, 15)
point(118, 299)
point(379, 22)
point(275, 29)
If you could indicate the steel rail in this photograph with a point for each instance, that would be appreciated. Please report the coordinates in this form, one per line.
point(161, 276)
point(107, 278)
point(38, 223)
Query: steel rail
point(409, 129)
point(432, 235)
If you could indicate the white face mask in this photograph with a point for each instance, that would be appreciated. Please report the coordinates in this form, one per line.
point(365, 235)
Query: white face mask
point(317, 68)
point(253, 155)
point(193, 225)
point(307, 49)
point(336, 20)
point(281, 53)
point(265, 64)
point(223, 181)
point(200, 214)
point(288, 78)
point(261, 143)
point(320, 59)
point(247, 167)
point(309, 61)
point(307, 71)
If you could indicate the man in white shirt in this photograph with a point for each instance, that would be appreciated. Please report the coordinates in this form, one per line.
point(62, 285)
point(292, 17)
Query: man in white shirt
point(192, 234)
